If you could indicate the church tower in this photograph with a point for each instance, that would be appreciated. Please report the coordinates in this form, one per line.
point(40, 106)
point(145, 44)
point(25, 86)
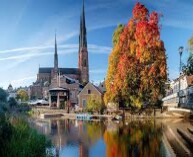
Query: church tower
point(55, 59)
point(83, 63)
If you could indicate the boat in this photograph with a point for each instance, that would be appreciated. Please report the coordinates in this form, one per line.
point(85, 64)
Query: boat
point(83, 117)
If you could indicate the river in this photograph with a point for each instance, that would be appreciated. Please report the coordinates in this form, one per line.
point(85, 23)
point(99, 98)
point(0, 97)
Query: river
point(138, 138)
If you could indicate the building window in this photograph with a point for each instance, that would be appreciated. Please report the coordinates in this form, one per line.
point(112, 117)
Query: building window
point(89, 91)
point(84, 103)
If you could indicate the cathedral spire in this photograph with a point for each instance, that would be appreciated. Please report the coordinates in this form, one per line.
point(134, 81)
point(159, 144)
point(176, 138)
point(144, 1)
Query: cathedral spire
point(83, 62)
point(83, 40)
point(55, 55)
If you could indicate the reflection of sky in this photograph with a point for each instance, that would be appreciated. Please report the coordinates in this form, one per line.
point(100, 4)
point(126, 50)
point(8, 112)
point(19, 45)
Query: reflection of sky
point(99, 147)
point(69, 152)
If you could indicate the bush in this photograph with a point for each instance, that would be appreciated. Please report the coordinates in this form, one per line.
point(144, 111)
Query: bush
point(3, 95)
point(3, 107)
point(18, 139)
point(12, 102)
point(94, 105)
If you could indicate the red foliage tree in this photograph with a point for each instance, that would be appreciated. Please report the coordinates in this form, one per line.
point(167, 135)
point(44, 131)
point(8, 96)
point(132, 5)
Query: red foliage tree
point(140, 72)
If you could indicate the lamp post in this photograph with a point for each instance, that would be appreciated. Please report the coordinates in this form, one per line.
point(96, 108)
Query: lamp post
point(181, 48)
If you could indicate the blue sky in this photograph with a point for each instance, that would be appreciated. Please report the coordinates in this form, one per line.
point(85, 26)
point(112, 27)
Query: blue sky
point(27, 29)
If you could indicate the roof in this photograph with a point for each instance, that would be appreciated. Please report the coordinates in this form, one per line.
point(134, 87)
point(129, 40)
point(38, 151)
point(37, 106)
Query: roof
point(102, 86)
point(45, 70)
point(98, 89)
point(10, 86)
point(93, 86)
point(75, 71)
point(58, 89)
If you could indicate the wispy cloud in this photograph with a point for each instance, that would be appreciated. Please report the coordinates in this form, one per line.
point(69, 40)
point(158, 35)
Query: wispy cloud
point(22, 81)
point(31, 52)
point(24, 49)
point(18, 81)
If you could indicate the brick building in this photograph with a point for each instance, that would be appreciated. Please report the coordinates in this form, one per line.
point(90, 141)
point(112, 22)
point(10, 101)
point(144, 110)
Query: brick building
point(89, 91)
point(69, 78)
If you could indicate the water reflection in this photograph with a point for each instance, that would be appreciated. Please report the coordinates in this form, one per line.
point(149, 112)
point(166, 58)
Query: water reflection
point(73, 138)
point(140, 138)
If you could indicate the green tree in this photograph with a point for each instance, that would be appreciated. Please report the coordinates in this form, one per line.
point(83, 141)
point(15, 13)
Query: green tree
point(22, 95)
point(188, 67)
point(3, 95)
point(12, 102)
point(3, 100)
point(94, 104)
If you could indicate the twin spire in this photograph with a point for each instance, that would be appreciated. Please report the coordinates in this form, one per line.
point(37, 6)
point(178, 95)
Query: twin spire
point(55, 55)
point(82, 37)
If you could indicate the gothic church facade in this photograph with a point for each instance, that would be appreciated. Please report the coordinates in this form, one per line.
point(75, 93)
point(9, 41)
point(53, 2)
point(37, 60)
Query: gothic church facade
point(70, 78)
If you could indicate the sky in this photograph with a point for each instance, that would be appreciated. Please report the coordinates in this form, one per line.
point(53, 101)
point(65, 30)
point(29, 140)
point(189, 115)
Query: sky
point(27, 30)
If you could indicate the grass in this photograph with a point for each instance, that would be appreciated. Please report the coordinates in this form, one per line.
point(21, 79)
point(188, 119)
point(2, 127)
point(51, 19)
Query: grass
point(18, 139)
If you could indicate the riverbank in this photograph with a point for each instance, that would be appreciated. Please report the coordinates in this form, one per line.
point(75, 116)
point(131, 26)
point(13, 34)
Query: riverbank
point(17, 138)
point(45, 112)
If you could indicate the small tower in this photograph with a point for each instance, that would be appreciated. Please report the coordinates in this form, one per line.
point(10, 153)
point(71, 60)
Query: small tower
point(83, 62)
point(10, 88)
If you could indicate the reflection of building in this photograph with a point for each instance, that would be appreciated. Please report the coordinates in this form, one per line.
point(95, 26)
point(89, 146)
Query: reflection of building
point(90, 91)
point(185, 94)
point(83, 150)
point(66, 134)
point(69, 78)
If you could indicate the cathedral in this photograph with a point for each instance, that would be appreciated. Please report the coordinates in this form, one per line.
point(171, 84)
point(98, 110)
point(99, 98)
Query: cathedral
point(71, 79)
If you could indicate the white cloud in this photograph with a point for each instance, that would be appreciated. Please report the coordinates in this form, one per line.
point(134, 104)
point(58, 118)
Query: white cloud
point(27, 49)
point(21, 80)
point(31, 52)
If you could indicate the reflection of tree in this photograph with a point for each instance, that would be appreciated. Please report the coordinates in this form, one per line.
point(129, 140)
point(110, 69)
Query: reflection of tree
point(141, 139)
point(95, 131)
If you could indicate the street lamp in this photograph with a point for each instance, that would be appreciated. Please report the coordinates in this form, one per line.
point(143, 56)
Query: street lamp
point(181, 48)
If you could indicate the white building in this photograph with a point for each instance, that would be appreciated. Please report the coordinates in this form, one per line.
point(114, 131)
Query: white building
point(185, 96)
point(11, 92)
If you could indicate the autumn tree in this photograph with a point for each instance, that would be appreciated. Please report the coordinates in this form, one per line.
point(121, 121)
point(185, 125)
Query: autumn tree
point(22, 95)
point(112, 92)
point(190, 44)
point(188, 67)
point(137, 73)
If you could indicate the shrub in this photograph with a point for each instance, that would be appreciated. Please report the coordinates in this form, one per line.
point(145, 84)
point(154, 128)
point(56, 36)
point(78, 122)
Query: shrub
point(18, 139)
point(94, 105)
point(12, 102)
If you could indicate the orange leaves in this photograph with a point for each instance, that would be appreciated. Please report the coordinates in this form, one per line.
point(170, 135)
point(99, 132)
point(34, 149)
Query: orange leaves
point(140, 12)
point(154, 18)
point(137, 63)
